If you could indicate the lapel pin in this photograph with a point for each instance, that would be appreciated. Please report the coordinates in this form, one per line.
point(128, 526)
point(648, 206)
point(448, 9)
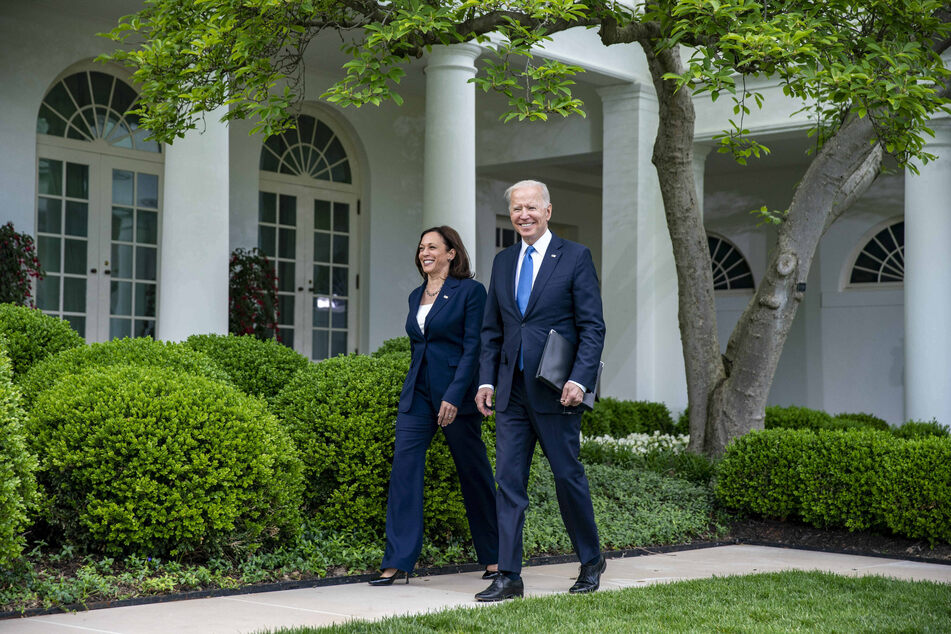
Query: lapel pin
point(553, 255)
point(445, 297)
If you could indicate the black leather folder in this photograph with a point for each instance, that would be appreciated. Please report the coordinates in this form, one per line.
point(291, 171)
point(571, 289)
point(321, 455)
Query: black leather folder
point(558, 358)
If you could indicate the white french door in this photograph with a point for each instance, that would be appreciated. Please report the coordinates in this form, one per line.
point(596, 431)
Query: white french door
point(97, 232)
point(311, 236)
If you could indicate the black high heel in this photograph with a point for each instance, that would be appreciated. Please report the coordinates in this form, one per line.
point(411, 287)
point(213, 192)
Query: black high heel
point(490, 574)
point(388, 581)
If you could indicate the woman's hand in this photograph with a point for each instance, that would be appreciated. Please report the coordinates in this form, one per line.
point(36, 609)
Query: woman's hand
point(447, 414)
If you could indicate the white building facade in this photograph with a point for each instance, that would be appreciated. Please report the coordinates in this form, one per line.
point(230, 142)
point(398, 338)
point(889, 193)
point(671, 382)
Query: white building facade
point(136, 237)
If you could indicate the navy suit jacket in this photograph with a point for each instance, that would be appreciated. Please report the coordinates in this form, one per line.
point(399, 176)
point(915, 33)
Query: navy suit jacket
point(450, 345)
point(566, 297)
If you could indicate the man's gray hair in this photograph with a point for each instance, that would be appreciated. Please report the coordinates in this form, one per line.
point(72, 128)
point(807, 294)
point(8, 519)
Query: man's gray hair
point(545, 195)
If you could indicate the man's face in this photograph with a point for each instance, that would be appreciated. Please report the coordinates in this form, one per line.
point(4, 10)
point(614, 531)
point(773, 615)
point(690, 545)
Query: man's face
point(529, 213)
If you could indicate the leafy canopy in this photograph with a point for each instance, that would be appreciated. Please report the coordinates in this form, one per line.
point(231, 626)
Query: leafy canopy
point(870, 58)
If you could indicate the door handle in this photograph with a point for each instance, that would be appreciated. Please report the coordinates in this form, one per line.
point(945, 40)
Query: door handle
point(93, 271)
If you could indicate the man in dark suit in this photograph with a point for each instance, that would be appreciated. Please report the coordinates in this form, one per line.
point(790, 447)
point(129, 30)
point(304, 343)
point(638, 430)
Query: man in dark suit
point(539, 284)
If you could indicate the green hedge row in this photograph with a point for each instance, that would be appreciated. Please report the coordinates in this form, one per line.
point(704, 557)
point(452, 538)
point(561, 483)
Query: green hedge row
point(17, 483)
point(805, 418)
point(856, 480)
point(618, 418)
point(32, 336)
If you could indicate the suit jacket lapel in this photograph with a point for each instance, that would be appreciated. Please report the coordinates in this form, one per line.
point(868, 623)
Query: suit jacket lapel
point(445, 294)
point(508, 277)
point(551, 260)
point(415, 300)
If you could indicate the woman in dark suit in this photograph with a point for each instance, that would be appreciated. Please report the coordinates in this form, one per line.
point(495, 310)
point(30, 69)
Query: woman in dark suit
point(444, 323)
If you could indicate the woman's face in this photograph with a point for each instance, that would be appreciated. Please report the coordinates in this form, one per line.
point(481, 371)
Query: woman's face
point(433, 255)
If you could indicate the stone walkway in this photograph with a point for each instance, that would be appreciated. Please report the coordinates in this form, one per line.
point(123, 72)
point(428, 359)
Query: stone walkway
point(334, 604)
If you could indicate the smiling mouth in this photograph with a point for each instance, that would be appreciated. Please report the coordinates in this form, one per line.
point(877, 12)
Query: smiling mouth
point(425, 262)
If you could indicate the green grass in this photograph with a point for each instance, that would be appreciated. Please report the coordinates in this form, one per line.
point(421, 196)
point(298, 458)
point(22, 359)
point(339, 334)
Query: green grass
point(774, 602)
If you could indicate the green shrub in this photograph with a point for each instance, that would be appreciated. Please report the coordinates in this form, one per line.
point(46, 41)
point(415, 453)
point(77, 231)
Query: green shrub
point(921, 429)
point(838, 475)
point(31, 336)
point(869, 421)
point(17, 483)
point(912, 495)
point(795, 418)
point(155, 461)
point(397, 345)
point(617, 418)
point(759, 473)
point(142, 351)
point(262, 368)
point(678, 464)
point(682, 426)
point(341, 415)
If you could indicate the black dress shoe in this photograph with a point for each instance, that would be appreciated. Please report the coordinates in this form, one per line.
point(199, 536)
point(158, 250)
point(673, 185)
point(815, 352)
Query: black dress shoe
point(490, 574)
point(502, 588)
point(589, 579)
point(388, 581)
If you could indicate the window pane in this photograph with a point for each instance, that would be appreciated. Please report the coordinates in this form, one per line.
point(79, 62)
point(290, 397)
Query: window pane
point(340, 281)
point(48, 215)
point(120, 298)
point(122, 224)
point(322, 279)
point(286, 247)
point(49, 122)
point(341, 173)
point(148, 191)
point(77, 180)
point(267, 205)
point(267, 237)
point(285, 276)
point(339, 313)
point(144, 328)
point(341, 217)
point(51, 177)
point(48, 250)
point(334, 152)
point(288, 215)
point(146, 263)
point(47, 293)
point(321, 312)
point(78, 323)
point(341, 249)
point(77, 218)
point(58, 99)
point(285, 307)
point(74, 252)
point(287, 337)
point(122, 186)
point(320, 349)
point(322, 247)
point(145, 300)
point(122, 261)
point(322, 215)
point(338, 343)
point(146, 229)
point(119, 328)
point(74, 294)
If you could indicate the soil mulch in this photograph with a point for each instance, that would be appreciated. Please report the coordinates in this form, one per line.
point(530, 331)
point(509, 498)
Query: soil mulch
point(793, 535)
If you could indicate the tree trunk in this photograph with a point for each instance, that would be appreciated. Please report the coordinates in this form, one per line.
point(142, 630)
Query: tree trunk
point(673, 159)
point(842, 171)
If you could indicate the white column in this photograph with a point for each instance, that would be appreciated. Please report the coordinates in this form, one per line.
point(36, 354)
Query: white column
point(642, 355)
point(928, 283)
point(449, 161)
point(193, 282)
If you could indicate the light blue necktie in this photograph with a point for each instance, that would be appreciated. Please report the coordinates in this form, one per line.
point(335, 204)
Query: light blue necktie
point(523, 291)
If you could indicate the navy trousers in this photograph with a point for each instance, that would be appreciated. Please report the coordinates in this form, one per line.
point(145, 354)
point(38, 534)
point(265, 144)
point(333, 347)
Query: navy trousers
point(404, 507)
point(517, 429)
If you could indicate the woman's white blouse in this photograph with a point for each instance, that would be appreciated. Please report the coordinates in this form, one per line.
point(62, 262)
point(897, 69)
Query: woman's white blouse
point(421, 316)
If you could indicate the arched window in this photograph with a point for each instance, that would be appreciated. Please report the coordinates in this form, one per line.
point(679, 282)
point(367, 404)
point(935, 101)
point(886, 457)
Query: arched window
point(307, 225)
point(98, 208)
point(882, 258)
point(730, 270)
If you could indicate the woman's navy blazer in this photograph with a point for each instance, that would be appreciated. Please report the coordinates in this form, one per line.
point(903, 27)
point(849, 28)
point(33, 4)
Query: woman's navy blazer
point(450, 345)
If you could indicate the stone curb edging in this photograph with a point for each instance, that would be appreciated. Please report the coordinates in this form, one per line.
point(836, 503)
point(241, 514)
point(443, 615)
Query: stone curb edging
point(319, 582)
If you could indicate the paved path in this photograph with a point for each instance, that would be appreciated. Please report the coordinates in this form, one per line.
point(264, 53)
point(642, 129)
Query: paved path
point(333, 604)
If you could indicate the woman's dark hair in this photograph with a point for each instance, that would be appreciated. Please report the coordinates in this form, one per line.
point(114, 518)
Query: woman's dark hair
point(459, 266)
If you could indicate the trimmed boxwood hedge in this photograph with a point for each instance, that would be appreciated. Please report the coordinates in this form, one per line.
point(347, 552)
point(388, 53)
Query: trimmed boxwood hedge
point(618, 418)
point(397, 346)
point(17, 483)
point(856, 480)
point(32, 336)
point(262, 368)
point(341, 414)
point(141, 351)
point(155, 461)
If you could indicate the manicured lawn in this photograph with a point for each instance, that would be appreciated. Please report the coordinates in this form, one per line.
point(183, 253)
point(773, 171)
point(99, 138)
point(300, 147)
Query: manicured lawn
point(774, 602)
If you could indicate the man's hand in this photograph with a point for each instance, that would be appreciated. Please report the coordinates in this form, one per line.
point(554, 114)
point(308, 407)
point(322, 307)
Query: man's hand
point(571, 395)
point(483, 400)
point(447, 414)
